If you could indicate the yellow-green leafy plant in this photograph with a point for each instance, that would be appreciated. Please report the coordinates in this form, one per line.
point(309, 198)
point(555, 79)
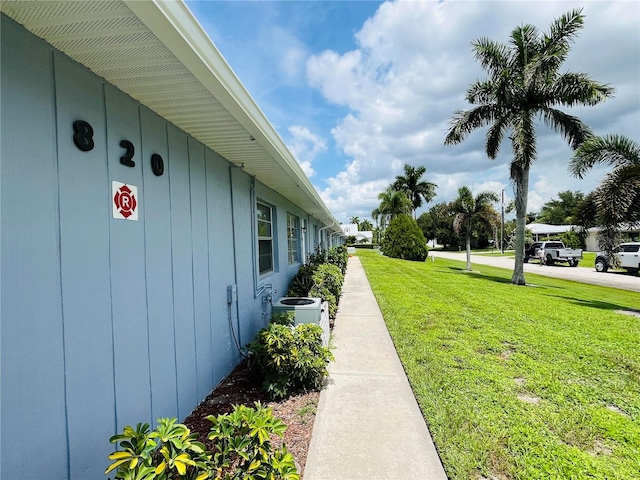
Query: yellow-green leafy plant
point(243, 448)
point(170, 452)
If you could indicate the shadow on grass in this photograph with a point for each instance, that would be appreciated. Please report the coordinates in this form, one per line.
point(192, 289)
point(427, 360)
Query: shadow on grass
point(479, 275)
point(475, 274)
point(594, 304)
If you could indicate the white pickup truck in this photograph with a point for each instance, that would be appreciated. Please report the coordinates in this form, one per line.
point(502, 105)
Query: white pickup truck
point(628, 258)
point(553, 252)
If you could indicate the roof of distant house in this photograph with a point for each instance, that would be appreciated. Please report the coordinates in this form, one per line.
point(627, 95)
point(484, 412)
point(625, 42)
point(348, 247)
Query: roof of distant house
point(543, 228)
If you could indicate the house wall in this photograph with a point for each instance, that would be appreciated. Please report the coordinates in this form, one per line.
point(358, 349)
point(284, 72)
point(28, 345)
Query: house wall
point(627, 234)
point(108, 322)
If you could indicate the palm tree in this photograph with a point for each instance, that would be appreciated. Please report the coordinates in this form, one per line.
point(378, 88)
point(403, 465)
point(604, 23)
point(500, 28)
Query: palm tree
point(365, 226)
point(617, 199)
point(392, 203)
point(525, 84)
point(472, 212)
point(378, 217)
point(356, 221)
point(413, 187)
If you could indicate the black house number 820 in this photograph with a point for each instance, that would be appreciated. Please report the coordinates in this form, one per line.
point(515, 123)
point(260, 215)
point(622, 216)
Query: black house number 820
point(83, 139)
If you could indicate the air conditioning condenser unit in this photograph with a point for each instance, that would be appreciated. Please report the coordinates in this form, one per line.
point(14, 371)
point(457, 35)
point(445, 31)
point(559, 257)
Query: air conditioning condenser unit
point(306, 310)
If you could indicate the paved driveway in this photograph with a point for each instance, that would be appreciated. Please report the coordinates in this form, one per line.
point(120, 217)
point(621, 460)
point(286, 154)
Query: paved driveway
point(585, 274)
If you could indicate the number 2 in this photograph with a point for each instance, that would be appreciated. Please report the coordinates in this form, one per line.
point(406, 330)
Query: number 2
point(126, 159)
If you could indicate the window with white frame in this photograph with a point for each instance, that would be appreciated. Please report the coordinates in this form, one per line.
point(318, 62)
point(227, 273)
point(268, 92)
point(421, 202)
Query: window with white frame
point(292, 238)
point(265, 238)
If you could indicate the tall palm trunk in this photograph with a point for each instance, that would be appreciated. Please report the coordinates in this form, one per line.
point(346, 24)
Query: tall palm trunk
point(522, 191)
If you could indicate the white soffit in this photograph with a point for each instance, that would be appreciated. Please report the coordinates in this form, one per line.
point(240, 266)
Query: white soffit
point(156, 52)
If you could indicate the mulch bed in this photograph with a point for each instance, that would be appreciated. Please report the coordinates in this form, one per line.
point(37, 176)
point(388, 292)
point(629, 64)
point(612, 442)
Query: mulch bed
point(239, 388)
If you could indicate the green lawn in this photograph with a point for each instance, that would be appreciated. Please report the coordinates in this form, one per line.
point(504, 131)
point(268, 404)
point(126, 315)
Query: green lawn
point(588, 260)
point(535, 382)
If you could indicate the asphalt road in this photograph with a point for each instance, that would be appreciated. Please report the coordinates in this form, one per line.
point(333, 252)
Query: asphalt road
point(586, 274)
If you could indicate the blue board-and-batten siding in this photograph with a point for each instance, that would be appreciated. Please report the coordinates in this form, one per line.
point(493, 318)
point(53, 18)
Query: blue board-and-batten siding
point(108, 322)
point(32, 346)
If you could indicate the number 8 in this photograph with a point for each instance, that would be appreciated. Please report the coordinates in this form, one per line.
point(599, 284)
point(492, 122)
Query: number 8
point(83, 135)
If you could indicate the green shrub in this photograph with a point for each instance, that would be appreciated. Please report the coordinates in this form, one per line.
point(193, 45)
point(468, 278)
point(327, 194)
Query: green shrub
point(284, 318)
point(339, 257)
point(169, 452)
point(327, 284)
point(289, 359)
point(321, 291)
point(243, 447)
point(319, 281)
point(404, 239)
point(242, 450)
point(318, 257)
point(302, 281)
point(329, 276)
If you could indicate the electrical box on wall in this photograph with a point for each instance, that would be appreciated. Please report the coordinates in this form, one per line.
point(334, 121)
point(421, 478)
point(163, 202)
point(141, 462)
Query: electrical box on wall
point(232, 293)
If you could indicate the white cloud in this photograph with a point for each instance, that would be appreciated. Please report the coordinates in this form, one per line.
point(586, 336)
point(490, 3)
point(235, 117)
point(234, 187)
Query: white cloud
point(409, 72)
point(355, 197)
point(305, 146)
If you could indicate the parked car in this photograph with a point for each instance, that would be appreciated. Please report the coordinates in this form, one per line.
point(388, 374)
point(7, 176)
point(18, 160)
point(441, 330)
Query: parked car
point(552, 252)
point(628, 254)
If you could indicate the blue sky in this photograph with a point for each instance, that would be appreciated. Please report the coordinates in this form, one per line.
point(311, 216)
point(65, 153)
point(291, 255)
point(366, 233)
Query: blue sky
point(357, 89)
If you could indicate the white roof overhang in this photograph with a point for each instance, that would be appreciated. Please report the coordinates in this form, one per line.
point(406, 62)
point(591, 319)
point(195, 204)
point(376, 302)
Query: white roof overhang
point(158, 53)
point(543, 228)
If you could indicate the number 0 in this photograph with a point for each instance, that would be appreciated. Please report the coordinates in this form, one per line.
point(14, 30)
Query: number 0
point(157, 165)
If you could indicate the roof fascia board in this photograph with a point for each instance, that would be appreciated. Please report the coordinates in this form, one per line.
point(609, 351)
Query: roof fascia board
point(176, 27)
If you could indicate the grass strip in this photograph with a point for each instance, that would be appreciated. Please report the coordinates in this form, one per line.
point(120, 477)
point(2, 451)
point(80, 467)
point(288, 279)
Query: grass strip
point(532, 382)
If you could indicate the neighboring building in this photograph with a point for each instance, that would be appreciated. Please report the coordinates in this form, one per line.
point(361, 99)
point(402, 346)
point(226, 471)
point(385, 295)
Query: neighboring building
point(351, 229)
point(148, 209)
point(364, 236)
point(541, 231)
point(628, 230)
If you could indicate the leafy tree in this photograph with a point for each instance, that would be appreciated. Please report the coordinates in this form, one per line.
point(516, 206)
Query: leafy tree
point(524, 84)
point(427, 224)
point(404, 239)
point(416, 189)
point(563, 210)
point(573, 239)
point(474, 211)
point(617, 199)
point(437, 224)
point(392, 204)
point(365, 226)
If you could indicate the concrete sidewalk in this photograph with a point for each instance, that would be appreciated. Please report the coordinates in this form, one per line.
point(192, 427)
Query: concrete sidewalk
point(368, 425)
